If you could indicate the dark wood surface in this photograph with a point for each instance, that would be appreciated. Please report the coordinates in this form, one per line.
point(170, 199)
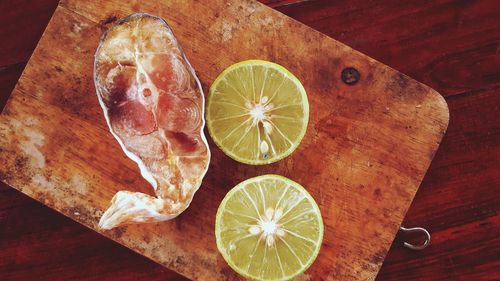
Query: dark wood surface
point(366, 151)
point(453, 46)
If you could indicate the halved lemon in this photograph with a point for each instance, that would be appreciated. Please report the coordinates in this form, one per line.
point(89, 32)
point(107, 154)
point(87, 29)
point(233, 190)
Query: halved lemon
point(257, 112)
point(269, 228)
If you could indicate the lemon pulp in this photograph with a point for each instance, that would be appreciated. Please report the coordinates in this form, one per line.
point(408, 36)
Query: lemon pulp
point(269, 228)
point(257, 112)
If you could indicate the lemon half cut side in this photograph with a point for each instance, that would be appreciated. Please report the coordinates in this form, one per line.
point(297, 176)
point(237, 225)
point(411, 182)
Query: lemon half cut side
point(257, 112)
point(269, 228)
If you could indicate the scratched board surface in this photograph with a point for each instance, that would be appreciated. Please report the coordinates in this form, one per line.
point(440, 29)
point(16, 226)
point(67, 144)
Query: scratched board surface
point(366, 150)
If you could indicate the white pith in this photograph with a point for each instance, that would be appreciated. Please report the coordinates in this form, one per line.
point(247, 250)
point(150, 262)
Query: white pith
point(260, 113)
point(269, 227)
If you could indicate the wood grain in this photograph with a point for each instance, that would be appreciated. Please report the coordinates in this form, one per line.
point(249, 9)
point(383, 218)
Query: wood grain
point(18, 31)
point(454, 46)
point(22, 24)
point(449, 45)
point(41, 246)
point(458, 201)
point(447, 203)
point(365, 153)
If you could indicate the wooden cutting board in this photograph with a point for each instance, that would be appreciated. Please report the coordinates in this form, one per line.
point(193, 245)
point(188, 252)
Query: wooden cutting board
point(366, 150)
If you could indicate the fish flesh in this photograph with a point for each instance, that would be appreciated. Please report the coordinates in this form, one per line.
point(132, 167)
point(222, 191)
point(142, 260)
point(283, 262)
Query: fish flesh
point(153, 104)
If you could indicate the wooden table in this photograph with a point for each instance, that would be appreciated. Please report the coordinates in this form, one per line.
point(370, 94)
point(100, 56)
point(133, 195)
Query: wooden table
point(453, 46)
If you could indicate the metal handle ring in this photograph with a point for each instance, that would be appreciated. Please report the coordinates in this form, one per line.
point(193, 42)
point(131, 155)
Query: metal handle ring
point(419, 230)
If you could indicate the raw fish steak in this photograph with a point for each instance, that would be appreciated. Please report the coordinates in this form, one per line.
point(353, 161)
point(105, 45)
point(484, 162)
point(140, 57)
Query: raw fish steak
point(154, 106)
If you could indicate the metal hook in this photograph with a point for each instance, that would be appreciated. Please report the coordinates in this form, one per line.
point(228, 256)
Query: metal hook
point(417, 229)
